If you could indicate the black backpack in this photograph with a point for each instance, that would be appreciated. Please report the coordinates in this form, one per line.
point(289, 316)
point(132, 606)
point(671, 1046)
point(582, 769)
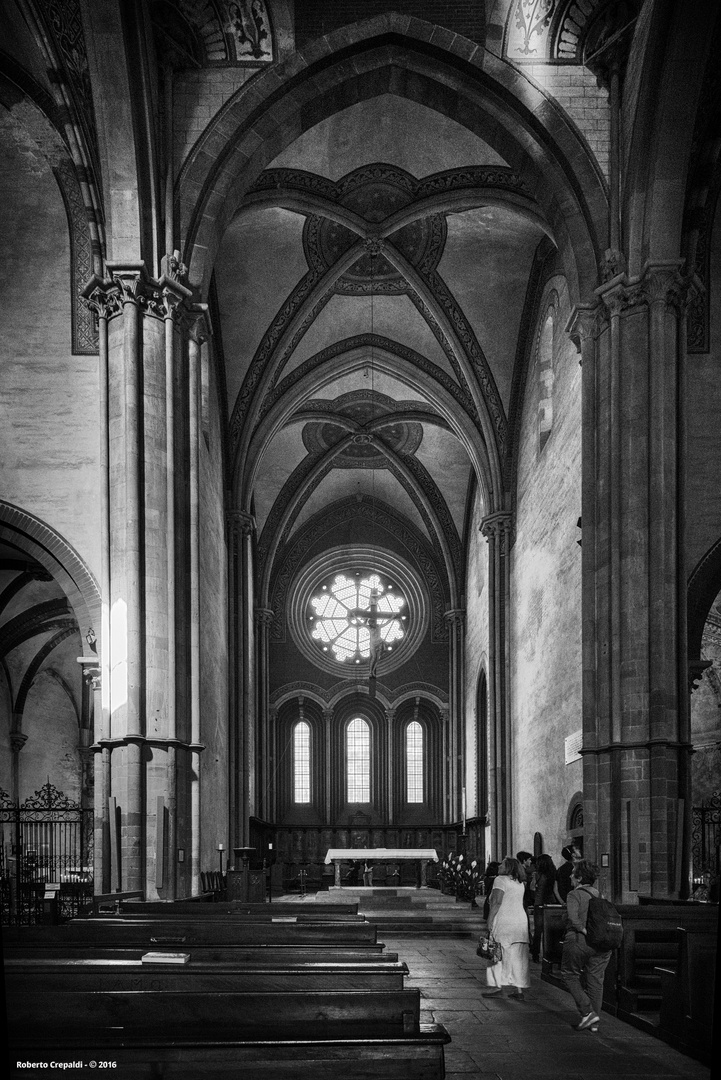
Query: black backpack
point(604, 925)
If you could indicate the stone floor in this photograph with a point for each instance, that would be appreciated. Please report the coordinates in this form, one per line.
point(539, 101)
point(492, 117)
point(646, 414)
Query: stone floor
point(497, 1039)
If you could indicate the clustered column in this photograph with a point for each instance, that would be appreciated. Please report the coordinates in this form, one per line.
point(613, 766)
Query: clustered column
point(148, 731)
point(636, 727)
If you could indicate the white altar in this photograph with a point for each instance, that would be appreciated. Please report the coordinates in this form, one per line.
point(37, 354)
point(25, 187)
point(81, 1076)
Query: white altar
point(387, 855)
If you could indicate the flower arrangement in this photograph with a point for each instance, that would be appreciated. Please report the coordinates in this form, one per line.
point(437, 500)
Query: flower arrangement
point(460, 876)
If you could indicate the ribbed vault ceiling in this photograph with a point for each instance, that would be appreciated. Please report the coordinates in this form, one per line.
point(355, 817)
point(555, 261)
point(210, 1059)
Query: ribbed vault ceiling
point(370, 292)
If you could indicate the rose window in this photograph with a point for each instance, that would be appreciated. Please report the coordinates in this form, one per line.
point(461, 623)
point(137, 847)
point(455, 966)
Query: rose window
point(350, 613)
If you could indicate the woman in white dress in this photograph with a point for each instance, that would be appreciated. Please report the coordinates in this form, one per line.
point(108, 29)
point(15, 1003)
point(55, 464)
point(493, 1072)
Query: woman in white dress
point(508, 922)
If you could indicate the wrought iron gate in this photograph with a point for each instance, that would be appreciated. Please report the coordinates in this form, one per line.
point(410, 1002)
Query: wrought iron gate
point(706, 839)
point(46, 851)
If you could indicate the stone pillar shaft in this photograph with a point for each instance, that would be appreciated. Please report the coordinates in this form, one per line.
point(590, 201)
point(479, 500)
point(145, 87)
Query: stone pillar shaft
point(496, 528)
point(263, 620)
point(635, 709)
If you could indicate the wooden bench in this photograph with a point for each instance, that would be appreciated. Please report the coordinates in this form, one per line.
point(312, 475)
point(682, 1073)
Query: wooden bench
point(217, 954)
point(150, 933)
point(687, 994)
point(226, 1034)
point(220, 913)
point(650, 940)
point(65, 975)
point(203, 910)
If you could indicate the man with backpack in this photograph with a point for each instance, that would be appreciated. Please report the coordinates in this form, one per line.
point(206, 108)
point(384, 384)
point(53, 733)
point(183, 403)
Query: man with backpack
point(593, 931)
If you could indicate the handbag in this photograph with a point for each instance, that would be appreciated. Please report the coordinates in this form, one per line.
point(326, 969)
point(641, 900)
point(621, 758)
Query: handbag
point(490, 950)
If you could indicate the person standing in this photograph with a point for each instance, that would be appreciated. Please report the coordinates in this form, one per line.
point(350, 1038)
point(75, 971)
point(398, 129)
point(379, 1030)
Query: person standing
point(570, 856)
point(545, 893)
point(508, 922)
point(489, 876)
point(582, 967)
point(526, 862)
point(367, 873)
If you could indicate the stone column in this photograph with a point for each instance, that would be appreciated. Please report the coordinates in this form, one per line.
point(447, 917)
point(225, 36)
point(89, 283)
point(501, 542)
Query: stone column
point(328, 770)
point(142, 405)
point(497, 530)
point(443, 714)
point(263, 622)
point(390, 715)
point(636, 728)
point(456, 620)
point(241, 637)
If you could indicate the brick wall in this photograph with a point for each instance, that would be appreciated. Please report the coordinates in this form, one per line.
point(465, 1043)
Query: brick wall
point(197, 97)
point(576, 91)
point(313, 18)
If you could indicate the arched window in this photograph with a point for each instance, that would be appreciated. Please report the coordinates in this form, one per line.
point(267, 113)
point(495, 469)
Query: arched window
point(414, 762)
point(301, 762)
point(358, 761)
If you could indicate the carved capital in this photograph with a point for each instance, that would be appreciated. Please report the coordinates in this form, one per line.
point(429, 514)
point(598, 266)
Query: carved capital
point(696, 669)
point(582, 326)
point(456, 617)
point(660, 283)
point(328, 715)
point(103, 297)
point(241, 522)
point(497, 525)
point(390, 715)
point(665, 284)
point(17, 741)
point(131, 279)
point(263, 616)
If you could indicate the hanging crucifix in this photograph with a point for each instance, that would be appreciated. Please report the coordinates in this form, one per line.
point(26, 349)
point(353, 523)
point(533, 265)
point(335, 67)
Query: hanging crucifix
point(375, 643)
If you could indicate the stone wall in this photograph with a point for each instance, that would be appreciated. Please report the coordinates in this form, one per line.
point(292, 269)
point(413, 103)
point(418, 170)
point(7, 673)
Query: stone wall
point(545, 616)
point(214, 660)
point(476, 647)
point(48, 397)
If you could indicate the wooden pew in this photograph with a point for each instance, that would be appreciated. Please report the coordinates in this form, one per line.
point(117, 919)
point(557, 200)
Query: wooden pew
point(65, 975)
point(650, 940)
point(158, 932)
point(221, 913)
point(217, 954)
point(687, 994)
point(232, 907)
point(186, 1035)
